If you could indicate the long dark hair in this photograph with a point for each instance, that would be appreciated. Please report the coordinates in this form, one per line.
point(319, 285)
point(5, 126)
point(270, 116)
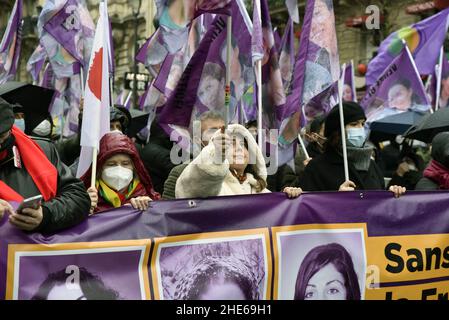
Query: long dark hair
point(318, 258)
point(91, 285)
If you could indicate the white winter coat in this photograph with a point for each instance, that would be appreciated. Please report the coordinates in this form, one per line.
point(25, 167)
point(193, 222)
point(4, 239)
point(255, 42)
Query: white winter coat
point(204, 178)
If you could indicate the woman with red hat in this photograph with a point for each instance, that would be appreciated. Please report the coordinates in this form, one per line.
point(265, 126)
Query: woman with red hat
point(121, 178)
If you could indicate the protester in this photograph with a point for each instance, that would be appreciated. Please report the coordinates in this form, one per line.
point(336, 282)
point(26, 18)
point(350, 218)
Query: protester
point(210, 122)
point(29, 168)
point(436, 175)
point(70, 149)
point(156, 156)
point(326, 172)
point(408, 172)
point(327, 273)
point(243, 170)
point(121, 176)
point(315, 137)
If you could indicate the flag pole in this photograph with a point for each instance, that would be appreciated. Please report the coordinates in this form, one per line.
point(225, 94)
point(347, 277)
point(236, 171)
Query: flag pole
point(438, 79)
point(354, 91)
point(94, 168)
point(342, 122)
point(303, 147)
point(228, 69)
point(259, 86)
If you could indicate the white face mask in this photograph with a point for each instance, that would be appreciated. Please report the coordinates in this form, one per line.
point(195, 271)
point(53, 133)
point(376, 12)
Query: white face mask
point(117, 177)
point(43, 129)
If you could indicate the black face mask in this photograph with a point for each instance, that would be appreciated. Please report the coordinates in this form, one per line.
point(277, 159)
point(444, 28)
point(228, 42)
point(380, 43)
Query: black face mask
point(8, 143)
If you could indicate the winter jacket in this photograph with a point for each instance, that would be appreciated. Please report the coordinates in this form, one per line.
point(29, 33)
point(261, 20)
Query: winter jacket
point(204, 178)
point(326, 173)
point(110, 145)
point(170, 183)
point(71, 204)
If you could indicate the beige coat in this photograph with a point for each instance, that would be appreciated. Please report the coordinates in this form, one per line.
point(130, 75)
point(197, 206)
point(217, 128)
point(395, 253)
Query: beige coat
point(204, 178)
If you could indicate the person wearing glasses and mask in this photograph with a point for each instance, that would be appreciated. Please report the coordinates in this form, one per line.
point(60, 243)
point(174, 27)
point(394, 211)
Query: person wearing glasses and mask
point(326, 172)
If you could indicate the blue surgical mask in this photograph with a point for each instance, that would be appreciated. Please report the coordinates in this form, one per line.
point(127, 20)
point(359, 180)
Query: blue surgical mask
point(20, 123)
point(356, 137)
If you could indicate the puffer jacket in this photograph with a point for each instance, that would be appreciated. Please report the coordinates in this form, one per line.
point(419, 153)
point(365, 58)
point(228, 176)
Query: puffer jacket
point(204, 178)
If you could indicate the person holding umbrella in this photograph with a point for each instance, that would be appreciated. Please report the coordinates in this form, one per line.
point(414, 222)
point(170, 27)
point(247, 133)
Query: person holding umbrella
point(30, 168)
point(436, 175)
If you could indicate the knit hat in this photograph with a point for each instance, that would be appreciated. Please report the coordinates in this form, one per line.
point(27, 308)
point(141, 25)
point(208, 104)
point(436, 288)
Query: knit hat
point(352, 112)
point(6, 116)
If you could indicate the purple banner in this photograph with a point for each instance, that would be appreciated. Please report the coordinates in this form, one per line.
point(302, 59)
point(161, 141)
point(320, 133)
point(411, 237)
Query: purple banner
point(178, 243)
point(349, 92)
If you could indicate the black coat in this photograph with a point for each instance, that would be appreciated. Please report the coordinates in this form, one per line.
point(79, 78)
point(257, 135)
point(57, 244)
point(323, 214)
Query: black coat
point(71, 204)
point(425, 184)
point(326, 173)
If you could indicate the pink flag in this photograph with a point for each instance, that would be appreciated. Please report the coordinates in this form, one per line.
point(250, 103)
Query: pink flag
point(96, 95)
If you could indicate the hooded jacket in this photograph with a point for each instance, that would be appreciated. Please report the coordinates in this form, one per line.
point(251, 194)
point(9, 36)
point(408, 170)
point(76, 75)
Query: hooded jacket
point(440, 155)
point(203, 178)
point(110, 145)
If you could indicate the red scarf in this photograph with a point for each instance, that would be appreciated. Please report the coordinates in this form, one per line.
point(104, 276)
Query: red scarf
point(438, 173)
point(41, 170)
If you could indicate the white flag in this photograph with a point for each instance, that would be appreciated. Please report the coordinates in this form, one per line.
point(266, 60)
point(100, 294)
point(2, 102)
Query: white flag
point(96, 95)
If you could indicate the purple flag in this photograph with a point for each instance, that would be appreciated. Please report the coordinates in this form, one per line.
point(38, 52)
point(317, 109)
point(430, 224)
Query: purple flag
point(11, 44)
point(398, 89)
point(287, 56)
point(316, 66)
point(66, 32)
point(257, 45)
point(349, 92)
point(322, 103)
point(36, 62)
point(175, 20)
point(274, 97)
point(202, 84)
point(424, 40)
point(180, 104)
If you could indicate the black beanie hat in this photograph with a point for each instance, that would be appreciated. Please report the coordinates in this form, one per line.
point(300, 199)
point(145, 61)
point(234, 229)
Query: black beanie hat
point(6, 116)
point(351, 111)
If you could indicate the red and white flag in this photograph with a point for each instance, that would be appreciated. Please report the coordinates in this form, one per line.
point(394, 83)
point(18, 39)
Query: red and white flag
point(96, 95)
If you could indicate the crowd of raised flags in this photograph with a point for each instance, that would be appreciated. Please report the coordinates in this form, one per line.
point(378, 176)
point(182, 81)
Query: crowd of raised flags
point(192, 72)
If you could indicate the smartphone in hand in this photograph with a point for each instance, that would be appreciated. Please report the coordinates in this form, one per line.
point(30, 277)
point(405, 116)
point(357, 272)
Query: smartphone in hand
point(33, 203)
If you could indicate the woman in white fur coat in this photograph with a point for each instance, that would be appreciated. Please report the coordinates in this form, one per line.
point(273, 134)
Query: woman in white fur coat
point(243, 170)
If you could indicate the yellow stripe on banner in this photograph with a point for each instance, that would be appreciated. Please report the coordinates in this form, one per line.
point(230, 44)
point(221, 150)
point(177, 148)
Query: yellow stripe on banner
point(408, 258)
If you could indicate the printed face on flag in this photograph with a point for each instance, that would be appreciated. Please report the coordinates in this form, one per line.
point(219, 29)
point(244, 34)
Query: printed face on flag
point(397, 90)
point(347, 93)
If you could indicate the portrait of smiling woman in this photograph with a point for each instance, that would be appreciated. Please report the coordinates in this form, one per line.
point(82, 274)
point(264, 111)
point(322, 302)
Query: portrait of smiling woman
point(327, 273)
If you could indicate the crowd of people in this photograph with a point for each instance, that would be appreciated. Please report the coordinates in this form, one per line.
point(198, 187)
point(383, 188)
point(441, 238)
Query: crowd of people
point(132, 172)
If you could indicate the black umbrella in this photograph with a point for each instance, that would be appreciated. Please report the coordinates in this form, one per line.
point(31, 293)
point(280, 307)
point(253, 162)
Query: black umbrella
point(397, 124)
point(34, 100)
point(430, 126)
point(138, 122)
